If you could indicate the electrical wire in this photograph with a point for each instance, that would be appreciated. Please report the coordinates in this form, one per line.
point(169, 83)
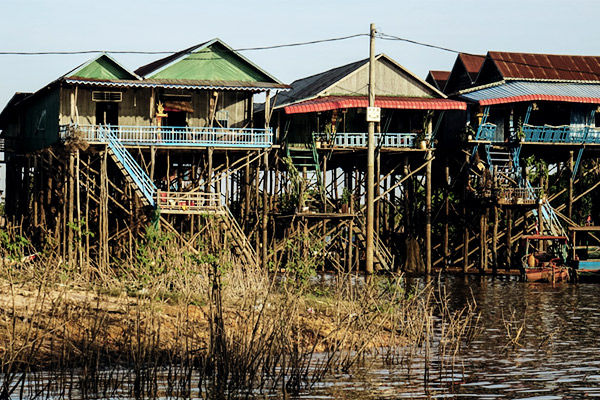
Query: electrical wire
point(384, 36)
point(277, 46)
point(380, 35)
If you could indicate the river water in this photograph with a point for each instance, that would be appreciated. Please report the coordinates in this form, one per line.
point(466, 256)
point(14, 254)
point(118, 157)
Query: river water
point(557, 355)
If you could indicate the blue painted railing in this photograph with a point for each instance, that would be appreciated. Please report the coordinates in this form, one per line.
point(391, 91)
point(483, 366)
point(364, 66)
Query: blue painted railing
point(551, 222)
point(137, 174)
point(561, 134)
point(486, 131)
point(175, 136)
point(381, 139)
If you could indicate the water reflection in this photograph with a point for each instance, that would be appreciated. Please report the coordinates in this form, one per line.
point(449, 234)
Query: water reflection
point(556, 355)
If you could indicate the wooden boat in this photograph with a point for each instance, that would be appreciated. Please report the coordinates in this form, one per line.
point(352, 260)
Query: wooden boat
point(544, 258)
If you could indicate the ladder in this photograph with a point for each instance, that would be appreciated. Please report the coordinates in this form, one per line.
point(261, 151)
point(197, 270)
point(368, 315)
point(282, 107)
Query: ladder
point(132, 171)
point(308, 157)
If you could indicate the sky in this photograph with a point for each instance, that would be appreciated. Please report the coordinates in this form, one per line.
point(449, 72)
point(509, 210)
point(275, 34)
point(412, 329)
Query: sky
point(474, 26)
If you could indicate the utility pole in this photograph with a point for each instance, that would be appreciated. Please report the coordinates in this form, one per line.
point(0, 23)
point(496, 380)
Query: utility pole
point(372, 117)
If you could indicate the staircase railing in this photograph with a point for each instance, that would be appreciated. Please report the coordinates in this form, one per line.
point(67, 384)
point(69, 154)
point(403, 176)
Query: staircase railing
point(551, 221)
point(381, 251)
point(135, 172)
point(245, 245)
point(189, 202)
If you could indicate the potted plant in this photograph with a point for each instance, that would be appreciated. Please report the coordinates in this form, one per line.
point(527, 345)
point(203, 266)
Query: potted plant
point(345, 200)
point(420, 140)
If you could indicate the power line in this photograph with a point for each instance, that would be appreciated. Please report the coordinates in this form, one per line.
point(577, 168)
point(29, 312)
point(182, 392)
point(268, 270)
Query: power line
point(384, 36)
point(381, 35)
point(277, 46)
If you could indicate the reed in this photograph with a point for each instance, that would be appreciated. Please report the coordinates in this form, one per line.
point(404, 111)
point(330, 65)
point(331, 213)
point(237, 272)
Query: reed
point(184, 324)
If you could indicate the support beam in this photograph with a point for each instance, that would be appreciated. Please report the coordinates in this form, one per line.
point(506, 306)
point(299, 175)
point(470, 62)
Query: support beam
point(428, 214)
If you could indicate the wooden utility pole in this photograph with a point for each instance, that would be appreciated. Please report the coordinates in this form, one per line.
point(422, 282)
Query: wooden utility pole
point(371, 155)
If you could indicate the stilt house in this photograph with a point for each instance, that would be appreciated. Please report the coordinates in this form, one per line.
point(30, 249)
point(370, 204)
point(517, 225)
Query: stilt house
point(323, 129)
point(113, 149)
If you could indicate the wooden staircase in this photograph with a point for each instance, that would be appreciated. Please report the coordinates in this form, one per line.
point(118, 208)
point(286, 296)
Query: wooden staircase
point(242, 245)
point(186, 203)
point(383, 258)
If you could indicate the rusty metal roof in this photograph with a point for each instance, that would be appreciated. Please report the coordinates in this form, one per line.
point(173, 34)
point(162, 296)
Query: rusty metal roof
point(438, 79)
point(552, 67)
point(472, 63)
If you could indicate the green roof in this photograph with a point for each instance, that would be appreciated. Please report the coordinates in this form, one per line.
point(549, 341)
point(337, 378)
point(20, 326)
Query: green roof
point(213, 61)
point(102, 68)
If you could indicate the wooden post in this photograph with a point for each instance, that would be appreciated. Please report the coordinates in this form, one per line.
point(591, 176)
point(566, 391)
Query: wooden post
point(541, 224)
point(446, 238)
point(466, 238)
point(324, 180)
point(377, 189)
point(509, 249)
point(351, 222)
point(495, 241)
point(392, 211)
point(265, 199)
point(482, 242)
point(209, 172)
point(570, 189)
point(103, 216)
point(152, 161)
point(246, 214)
point(428, 213)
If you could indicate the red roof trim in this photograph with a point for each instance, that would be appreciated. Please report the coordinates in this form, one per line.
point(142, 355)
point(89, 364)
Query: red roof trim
point(405, 103)
point(539, 97)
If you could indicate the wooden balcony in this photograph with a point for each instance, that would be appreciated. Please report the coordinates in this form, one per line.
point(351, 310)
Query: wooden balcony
point(562, 134)
point(169, 136)
point(189, 203)
point(395, 140)
point(518, 196)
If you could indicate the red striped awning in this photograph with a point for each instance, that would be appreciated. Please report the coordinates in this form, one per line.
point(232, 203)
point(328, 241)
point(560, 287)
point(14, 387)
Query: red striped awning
point(539, 97)
point(404, 103)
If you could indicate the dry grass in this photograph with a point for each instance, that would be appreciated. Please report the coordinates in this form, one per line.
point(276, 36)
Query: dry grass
point(205, 323)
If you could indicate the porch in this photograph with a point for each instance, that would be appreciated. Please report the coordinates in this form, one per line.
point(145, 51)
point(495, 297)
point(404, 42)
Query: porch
point(171, 136)
point(568, 134)
point(360, 139)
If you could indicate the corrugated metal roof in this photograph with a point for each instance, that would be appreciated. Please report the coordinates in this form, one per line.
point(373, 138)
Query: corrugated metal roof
point(316, 85)
point(546, 66)
point(179, 84)
point(405, 103)
point(213, 60)
point(438, 79)
point(311, 86)
point(102, 67)
point(518, 91)
point(155, 65)
point(472, 64)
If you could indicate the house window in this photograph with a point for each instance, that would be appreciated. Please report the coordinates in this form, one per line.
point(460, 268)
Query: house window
point(107, 96)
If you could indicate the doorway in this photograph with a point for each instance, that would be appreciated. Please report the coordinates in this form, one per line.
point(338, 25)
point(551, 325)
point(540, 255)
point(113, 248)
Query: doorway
point(107, 113)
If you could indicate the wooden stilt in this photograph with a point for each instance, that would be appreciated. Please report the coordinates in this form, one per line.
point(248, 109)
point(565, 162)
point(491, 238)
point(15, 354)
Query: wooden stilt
point(428, 194)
